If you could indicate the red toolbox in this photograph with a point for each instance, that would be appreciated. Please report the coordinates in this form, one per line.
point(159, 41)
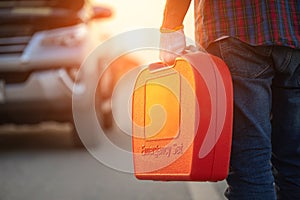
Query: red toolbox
point(182, 120)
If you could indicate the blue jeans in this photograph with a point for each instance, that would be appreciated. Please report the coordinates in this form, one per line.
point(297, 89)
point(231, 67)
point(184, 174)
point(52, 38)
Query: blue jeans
point(265, 158)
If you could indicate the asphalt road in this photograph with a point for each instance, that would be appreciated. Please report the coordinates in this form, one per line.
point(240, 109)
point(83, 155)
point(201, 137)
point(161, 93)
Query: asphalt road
point(41, 163)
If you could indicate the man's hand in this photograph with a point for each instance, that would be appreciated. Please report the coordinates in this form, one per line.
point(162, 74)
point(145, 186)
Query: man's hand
point(172, 38)
point(172, 44)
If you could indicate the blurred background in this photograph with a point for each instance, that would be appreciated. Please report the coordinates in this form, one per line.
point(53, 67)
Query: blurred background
point(42, 46)
point(134, 14)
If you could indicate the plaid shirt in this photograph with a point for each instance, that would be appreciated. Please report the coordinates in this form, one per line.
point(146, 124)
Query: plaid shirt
point(256, 22)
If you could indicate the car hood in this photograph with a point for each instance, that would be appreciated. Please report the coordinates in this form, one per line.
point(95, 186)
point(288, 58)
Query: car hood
point(26, 17)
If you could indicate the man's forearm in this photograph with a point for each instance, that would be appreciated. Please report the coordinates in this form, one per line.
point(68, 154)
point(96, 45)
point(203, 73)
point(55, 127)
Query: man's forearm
point(175, 11)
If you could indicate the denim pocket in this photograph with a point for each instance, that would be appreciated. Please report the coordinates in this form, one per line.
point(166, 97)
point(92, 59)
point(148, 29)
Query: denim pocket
point(287, 65)
point(245, 60)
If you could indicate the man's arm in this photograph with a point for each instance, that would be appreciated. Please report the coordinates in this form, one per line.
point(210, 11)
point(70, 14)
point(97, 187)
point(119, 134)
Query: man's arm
point(174, 13)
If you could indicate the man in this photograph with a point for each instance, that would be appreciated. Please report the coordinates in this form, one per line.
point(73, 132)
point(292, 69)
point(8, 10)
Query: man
point(260, 43)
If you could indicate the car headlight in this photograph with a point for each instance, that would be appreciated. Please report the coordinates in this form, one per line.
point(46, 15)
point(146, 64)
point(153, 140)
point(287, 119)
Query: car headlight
point(65, 37)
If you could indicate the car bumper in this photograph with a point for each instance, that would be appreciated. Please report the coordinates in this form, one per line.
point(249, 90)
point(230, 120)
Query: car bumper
point(45, 95)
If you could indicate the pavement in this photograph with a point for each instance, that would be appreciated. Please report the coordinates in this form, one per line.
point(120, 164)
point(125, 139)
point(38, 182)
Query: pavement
point(41, 162)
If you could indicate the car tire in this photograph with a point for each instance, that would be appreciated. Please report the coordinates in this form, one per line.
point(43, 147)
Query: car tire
point(75, 139)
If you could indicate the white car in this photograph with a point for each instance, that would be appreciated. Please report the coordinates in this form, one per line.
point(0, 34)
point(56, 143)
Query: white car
point(42, 45)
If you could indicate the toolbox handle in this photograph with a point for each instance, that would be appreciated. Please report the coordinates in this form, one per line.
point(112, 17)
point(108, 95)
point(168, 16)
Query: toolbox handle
point(158, 66)
point(191, 48)
point(153, 67)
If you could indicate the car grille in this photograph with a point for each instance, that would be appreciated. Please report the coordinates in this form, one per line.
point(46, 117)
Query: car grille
point(13, 45)
point(21, 19)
